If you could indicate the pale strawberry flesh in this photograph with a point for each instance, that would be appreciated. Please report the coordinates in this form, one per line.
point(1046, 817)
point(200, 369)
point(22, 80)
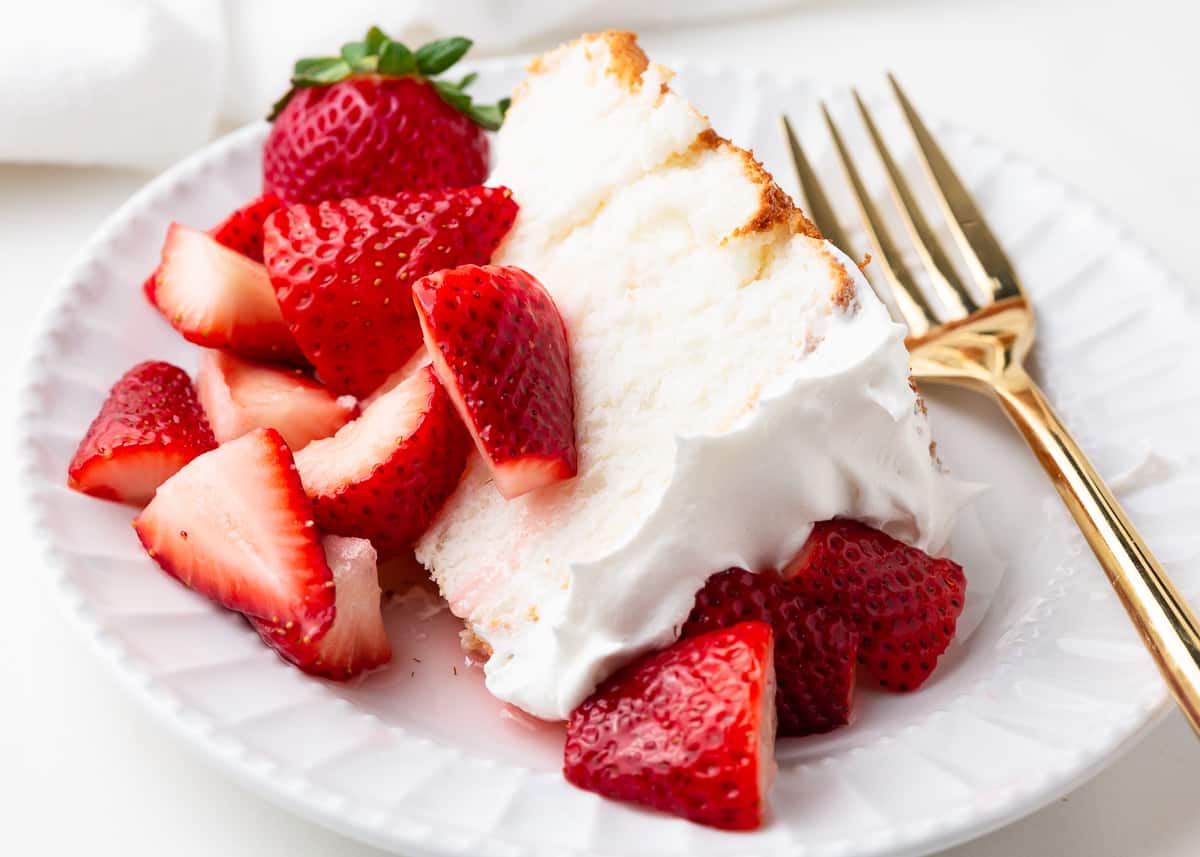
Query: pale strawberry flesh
point(385, 475)
point(357, 641)
point(236, 526)
point(904, 602)
point(149, 426)
point(500, 347)
point(240, 231)
point(218, 298)
point(816, 649)
point(343, 272)
point(240, 395)
point(688, 730)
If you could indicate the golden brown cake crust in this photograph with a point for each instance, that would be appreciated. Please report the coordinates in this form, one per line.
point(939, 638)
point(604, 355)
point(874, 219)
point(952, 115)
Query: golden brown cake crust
point(628, 63)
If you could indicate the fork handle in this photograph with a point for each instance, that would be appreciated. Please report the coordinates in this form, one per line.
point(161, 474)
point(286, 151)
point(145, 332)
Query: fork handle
point(1167, 625)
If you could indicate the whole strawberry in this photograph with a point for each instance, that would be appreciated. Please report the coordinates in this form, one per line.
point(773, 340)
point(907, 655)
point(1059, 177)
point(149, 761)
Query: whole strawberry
point(374, 120)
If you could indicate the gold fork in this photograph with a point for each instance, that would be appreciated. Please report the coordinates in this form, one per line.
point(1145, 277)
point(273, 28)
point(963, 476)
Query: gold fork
point(981, 344)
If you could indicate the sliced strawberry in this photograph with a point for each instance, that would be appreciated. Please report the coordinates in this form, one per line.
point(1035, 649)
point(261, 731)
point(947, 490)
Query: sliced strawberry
point(149, 426)
point(218, 298)
point(905, 603)
point(240, 231)
point(240, 395)
point(385, 475)
point(500, 347)
point(689, 730)
point(236, 526)
point(343, 272)
point(356, 641)
point(815, 649)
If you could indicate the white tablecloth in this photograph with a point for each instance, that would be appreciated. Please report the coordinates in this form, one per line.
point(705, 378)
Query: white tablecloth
point(1102, 96)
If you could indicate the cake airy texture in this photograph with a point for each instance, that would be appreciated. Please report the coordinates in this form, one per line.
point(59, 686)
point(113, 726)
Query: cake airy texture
point(736, 380)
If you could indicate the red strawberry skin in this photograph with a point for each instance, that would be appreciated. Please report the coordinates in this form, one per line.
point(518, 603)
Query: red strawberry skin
point(149, 427)
point(385, 476)
point(357, 640)
point(371, 135)
point(815, 649)
point(500, 347)
point(343, 272)
point(904, 602)
point(240, 231)
point(236, 526)
point(687, 730)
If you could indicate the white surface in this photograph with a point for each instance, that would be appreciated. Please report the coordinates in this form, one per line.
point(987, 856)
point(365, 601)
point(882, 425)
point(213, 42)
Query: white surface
point(142, 82)
point(124, 787)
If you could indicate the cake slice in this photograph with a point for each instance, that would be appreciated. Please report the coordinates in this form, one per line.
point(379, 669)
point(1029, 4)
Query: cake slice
point(736, 380)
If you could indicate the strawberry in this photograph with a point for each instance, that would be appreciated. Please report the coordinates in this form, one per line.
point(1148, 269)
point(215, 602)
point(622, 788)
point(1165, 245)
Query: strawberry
point(236, 526)
point(500, 348)
point(240, 231)
point(218, 298)
point(385, 475)
point(376, 121)
point(356, 641)
point(689, 730)
point(904, 602)
point(343, 272)
point(815, 650)
point(419, 358)
point(149, 426)
point(240, 395)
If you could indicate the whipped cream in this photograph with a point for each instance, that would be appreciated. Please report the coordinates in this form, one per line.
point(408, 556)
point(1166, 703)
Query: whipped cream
point(736, 381)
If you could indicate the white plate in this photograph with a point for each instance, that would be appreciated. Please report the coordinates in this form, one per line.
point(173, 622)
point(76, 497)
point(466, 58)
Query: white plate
point(1051, 684)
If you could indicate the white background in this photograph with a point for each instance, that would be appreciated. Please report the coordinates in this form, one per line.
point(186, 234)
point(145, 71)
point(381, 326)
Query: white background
point(1102, 93)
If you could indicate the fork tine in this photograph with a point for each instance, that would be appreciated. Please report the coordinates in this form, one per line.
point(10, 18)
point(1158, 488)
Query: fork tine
point(953, 295)
point(908, 298)
point(817, 203)
point(989, 266)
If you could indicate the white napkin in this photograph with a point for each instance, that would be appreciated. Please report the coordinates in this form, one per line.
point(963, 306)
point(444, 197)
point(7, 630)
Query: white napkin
point(143, 82)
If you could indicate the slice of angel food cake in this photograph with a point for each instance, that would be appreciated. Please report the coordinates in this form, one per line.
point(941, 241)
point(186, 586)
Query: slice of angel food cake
point(736, 382)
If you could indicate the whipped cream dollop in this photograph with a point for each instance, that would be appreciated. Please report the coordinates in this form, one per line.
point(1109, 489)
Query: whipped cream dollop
point(736, 381)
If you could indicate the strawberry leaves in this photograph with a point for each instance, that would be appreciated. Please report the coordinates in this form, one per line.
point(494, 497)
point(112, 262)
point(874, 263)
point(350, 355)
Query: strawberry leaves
point(379, 54)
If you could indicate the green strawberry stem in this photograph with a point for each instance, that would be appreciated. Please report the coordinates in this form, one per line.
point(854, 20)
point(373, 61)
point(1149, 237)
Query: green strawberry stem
point(378, 54)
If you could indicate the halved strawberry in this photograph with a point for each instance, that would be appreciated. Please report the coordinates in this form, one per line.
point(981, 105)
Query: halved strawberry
point(500, 348)
point(815, 649)
point(236, 526)
point(218, 298)
point(240, 231)
point(689, 730)
point(385, 475)
point(356, 641)
point(343, 272)
point(149, 426)
point(239, 395)
point(904, 602)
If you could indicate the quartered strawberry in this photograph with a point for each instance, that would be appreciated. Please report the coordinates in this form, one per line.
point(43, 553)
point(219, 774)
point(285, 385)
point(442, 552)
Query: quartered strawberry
point(149, 426)
point(218, 298)
point(343, 272)
point(356, 641)
point(500, 347)
point(373, 120)
point(385, 475)
point(236, 526)
point(904, 602)
point(240, 395)
point(689, 730)
point(240, 231)
point(419, 358)
point(815, 649)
